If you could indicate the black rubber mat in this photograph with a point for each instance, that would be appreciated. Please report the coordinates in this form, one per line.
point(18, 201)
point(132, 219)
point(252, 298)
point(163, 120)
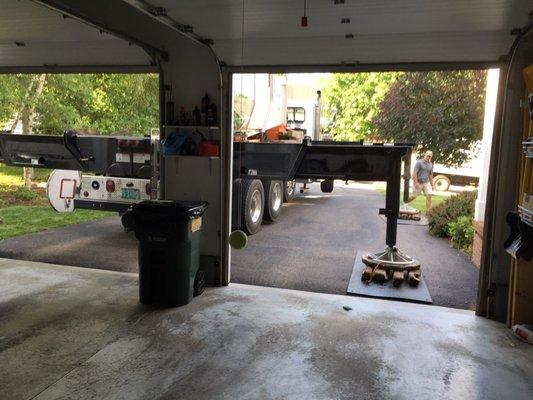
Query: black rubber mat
point(419, 294)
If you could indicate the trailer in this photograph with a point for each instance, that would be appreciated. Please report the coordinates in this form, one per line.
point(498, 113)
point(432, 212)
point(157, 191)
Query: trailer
point(113, 172)
point(110, 173)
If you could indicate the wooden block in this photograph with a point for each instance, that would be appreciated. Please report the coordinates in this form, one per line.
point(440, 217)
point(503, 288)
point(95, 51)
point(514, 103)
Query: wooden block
point(414, 278)
point(380, 275)
point(397, 278)
point(367, 274)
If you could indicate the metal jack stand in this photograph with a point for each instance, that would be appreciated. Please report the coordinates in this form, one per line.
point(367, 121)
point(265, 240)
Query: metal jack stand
point(382, 265)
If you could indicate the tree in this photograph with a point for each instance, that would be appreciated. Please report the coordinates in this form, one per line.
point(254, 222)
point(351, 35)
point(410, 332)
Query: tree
point(102, 103)
point(440, 111)
point(19, 95)
point(27, 115)
point(242, 109)
point(12, 91)
point(52, 103)
point(355, 97)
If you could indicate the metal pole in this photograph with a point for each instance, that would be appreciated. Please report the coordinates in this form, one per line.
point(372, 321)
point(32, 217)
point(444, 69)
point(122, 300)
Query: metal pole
point(406, 176)
point(392, 201)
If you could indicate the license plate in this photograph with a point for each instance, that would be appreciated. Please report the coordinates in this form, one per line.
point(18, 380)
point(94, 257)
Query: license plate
point(130, 194)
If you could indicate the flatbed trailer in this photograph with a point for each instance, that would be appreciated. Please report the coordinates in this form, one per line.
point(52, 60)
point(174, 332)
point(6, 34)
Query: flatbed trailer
point(126, 170)
point(330, 161)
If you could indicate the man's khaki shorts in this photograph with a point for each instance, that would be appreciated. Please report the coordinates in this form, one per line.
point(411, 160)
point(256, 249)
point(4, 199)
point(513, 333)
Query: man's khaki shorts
point(422, 187)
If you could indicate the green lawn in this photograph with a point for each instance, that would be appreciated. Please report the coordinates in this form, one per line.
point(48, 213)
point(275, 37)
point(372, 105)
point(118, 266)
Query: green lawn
point(12, 176)
point(20, 220)
point(420, 202)
point(25, 211)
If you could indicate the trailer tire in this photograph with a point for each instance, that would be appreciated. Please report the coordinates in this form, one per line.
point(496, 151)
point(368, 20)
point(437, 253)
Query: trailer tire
point(326, 186)
point(289, 189)
point(273, 199)
point(252, 205)
point(441, 183)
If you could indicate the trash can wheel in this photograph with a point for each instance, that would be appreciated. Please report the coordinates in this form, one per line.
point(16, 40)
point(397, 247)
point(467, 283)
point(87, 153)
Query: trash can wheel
point(199, 283)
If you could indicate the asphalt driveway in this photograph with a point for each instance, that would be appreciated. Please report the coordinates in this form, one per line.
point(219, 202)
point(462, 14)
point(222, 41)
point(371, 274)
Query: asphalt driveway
point(312, 247)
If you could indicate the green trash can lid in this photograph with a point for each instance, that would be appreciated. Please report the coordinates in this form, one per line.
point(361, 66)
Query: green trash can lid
point(170, 208)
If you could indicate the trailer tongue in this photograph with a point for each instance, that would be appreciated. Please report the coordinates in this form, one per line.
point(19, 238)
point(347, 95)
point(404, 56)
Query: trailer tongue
point(121, 166)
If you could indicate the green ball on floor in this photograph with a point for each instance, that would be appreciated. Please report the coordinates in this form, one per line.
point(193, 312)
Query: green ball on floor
point(238, 239)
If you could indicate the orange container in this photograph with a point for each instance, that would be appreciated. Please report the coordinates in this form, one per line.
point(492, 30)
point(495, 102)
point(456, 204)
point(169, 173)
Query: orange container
point(209, 148)
point(274, 132)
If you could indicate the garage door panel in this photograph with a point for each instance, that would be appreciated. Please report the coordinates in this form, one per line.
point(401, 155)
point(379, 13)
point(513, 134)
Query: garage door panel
point(34, 35)
point(368, 49)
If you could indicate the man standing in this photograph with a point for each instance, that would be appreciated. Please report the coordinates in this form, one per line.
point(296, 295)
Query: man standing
point(423, 179)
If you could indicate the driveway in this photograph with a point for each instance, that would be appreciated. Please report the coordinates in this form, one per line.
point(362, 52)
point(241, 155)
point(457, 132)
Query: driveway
point(312, 247)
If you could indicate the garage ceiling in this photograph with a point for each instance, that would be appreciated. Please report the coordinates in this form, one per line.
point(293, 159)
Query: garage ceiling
point(34, 36)
point(384, 31)
point(378, 32)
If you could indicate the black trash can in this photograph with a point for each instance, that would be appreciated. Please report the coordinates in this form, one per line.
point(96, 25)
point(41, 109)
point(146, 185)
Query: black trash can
point(169, 249)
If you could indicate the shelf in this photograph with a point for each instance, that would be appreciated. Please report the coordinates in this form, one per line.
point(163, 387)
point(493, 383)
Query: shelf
point(526, 215)
point(191, 157)
point(190, 127)
point(528, 148)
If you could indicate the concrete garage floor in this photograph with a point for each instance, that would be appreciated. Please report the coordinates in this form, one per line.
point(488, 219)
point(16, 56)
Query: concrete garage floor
point(80, 333)
point(312, 247)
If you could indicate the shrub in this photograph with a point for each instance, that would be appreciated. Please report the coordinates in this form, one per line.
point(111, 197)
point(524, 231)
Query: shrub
point(461, 233)
point(23, 193)
point(449, 210)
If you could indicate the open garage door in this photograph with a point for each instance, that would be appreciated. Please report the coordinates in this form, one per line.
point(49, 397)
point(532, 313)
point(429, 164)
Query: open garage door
point(36, 38)
point(193, 42)
point(346, 32)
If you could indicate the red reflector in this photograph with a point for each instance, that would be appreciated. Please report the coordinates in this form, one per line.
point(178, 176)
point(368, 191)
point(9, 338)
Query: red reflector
point(110, 186)
point(86, 193)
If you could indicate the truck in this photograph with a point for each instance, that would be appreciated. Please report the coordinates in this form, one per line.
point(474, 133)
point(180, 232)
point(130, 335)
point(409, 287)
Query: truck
point(468, 173)
point(271, 117)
